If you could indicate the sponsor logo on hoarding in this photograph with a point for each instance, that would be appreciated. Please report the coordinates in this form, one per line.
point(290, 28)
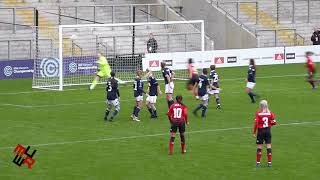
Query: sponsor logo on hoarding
point(73, 67)
point(291, 56)
point(154, 63)
point(219, 60)
point(168, 62)
point(7, 71)
point(49, 67)
point(279, 56)
point(232, 59)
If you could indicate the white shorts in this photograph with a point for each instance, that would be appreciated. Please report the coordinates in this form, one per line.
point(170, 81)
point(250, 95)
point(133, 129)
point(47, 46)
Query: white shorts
point(139, 98)
point(204, 98)
point(169, 88)
point(113, 102)
point(152, 99)
point(250, 85)
point(215, 91)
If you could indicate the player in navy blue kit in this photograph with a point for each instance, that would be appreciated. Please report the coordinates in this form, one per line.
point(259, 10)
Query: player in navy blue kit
point(168, 76)
point(138, 94)
point(153, 92)
point(214, 85)
point(113, 97)
point(251, 80)
point(202, 84)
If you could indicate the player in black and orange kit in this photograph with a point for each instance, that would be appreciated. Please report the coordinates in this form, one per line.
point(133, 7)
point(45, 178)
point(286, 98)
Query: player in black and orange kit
point(311, 69)
point(263, 121)
point(178, 118)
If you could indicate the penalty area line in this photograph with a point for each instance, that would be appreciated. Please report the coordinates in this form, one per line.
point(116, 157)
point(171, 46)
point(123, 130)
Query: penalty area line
point(156, 135)
point(79, 89)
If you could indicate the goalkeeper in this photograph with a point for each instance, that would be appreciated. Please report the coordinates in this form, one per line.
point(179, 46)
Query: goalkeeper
point(104, 70)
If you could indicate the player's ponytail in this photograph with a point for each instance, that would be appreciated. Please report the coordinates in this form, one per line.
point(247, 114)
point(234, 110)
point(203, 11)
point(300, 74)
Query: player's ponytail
point(179, 100)
point(264, 106)
point(113, 80)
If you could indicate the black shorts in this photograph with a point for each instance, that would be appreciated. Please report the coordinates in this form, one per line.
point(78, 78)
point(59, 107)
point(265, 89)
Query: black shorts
point(264, 135)
point(193, 80)
point(178, 125)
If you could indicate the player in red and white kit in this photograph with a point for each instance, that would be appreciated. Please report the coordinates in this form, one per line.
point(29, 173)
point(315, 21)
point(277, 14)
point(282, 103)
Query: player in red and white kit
point(311, 69)
point(178, 118)
point(263, 122)
point(193, 77)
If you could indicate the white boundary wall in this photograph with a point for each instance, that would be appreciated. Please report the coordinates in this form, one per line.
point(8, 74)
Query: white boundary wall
point(231, 58)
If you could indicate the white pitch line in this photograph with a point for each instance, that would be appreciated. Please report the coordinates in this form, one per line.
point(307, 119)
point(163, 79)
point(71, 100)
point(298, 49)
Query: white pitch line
point(231, 79)
point(154, 135)
point(98, 102)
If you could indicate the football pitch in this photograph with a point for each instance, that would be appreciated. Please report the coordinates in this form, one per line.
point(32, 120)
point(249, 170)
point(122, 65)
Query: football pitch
point(74, 142)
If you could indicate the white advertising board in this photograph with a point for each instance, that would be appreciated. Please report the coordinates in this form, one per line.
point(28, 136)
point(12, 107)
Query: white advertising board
point(296, 54)
point(221, 58)
point(230, 58)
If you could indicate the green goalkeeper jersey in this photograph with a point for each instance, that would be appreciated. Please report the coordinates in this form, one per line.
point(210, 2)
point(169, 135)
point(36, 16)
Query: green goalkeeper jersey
point(103, 64)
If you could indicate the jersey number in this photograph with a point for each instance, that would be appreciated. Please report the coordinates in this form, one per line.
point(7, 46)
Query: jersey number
point(200, 84)
point(109, 86)
point(265, 122)
point(177, 112)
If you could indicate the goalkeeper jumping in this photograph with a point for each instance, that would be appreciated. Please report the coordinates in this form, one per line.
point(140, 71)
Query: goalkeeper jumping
point(104, 70)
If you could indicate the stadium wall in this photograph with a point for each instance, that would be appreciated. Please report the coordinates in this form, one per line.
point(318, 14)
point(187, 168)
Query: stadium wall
point(227, 33)
point(13, 69)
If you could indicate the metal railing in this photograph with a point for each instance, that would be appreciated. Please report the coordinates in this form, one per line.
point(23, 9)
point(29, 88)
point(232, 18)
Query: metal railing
point(285, 10)
point(281, 37)
point(165, 43)
point(13, 47)
point(73, 14)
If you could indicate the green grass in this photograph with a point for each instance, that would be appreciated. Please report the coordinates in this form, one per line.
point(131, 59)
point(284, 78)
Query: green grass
point(75, 117)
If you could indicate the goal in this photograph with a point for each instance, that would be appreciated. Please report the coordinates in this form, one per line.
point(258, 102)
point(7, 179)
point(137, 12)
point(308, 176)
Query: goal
point(66, 55)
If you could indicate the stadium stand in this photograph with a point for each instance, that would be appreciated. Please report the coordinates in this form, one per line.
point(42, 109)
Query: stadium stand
point(276, 22)
point(22, 12)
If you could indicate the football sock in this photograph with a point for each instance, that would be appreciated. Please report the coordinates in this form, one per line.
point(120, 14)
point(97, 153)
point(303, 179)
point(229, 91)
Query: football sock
point(312, 84)
point(170, 102)
point(114, 114)
point(155, 111)
point(134, 110)
point(198, 107)
point(183, 143)
point(107, 113)
point(218, 101)
point(251, 95)
point(204, 110)
point(171, 143)
point(258, 155)
point(137, 111)
point(150, 111)
point(269, 154)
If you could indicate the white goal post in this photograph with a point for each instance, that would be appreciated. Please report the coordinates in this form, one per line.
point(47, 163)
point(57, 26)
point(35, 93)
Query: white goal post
point(68, 56)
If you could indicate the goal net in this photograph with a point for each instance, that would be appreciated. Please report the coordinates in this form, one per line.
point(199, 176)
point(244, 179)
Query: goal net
point(67, 55)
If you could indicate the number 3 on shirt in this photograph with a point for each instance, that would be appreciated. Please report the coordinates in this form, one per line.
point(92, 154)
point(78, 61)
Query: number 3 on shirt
point(265, 122)
point(177, 112)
